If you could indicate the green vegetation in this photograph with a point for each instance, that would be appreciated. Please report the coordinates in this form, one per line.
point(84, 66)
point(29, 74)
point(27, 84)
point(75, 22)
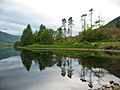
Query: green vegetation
point(92, 36)
point(110, 45)
point(76, 45)
point(26, 38)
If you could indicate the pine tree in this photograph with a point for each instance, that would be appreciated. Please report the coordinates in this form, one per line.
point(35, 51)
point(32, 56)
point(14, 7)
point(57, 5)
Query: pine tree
point(26, 38)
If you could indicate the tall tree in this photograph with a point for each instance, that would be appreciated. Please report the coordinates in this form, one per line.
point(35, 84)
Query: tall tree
point(41, 29)
point(70, 26)
point(59, 34)
point(26, 38)
point(52, 33)
point(84, 21)
point(64, 26)
point(91, 13)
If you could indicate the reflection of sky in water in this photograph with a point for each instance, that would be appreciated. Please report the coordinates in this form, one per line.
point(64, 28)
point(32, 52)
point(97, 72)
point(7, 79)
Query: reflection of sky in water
point(13, 76)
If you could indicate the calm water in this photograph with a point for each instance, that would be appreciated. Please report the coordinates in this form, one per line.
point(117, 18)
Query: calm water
point(57, 70)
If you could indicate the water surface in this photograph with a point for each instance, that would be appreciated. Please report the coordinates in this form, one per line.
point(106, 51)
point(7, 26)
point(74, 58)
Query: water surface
point(58, 70)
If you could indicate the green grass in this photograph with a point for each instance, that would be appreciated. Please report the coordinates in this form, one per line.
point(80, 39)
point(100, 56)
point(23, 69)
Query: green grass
point(82, 45)
point(76, 45)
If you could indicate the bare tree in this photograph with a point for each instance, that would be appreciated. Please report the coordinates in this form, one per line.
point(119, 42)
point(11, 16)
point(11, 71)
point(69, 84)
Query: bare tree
point(99, 22)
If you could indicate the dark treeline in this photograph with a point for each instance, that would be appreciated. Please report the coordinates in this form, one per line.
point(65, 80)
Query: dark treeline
point(43, 35)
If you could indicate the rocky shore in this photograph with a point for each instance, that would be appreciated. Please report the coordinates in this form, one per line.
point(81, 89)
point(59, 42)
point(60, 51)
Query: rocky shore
point(111, 86)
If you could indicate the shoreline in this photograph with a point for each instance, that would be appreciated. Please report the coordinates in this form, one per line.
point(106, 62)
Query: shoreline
point(70, 49)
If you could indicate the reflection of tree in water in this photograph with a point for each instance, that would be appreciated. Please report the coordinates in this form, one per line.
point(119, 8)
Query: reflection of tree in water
point(70, 68)
point(63, 67)
point(26, 58)
point(90, 67)
point(99, 73)
point(90, 83)
point(43, 59)
point(61, 62)
point(82, 74)
point(88, 70)
point(65, 64)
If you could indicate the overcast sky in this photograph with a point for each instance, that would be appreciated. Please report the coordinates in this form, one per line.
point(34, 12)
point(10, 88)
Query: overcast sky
point(16, 14)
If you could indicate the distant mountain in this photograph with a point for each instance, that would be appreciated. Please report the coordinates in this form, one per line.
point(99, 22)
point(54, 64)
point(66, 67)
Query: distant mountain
point(8, 52)
point(6, 38)
point(112, 29)
point(115, 23)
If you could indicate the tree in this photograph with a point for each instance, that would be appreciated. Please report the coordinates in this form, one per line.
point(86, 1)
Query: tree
point(99, 22)
point(26, 38)
point(41, 29)
point(59, 34)
point(94, 35)
point(84, 21)
point(91, 12)
point(35, 36)
point(52, 33)
point(64, 26)
point(45, 37)
point(70, 26)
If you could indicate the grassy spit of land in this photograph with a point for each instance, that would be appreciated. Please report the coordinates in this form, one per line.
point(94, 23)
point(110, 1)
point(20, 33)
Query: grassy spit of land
point(88, 46)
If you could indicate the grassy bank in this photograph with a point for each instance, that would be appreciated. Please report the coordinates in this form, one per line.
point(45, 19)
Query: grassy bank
point(86, 46)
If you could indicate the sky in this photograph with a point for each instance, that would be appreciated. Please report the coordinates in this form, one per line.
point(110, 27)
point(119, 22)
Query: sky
point(16, 14)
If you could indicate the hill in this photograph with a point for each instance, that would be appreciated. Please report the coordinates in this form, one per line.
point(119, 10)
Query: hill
point(112, 29)
point(8, 39)
point(115, 23)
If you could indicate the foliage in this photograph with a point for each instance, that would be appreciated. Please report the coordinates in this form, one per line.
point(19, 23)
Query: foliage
point(88, 38)
point(46, 37)
point(26, 38)
point(59, 34)
point(94, 35)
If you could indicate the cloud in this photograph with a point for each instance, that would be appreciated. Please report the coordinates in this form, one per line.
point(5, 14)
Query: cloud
point(116, 2)
point(16, 14)
point(14, 18)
